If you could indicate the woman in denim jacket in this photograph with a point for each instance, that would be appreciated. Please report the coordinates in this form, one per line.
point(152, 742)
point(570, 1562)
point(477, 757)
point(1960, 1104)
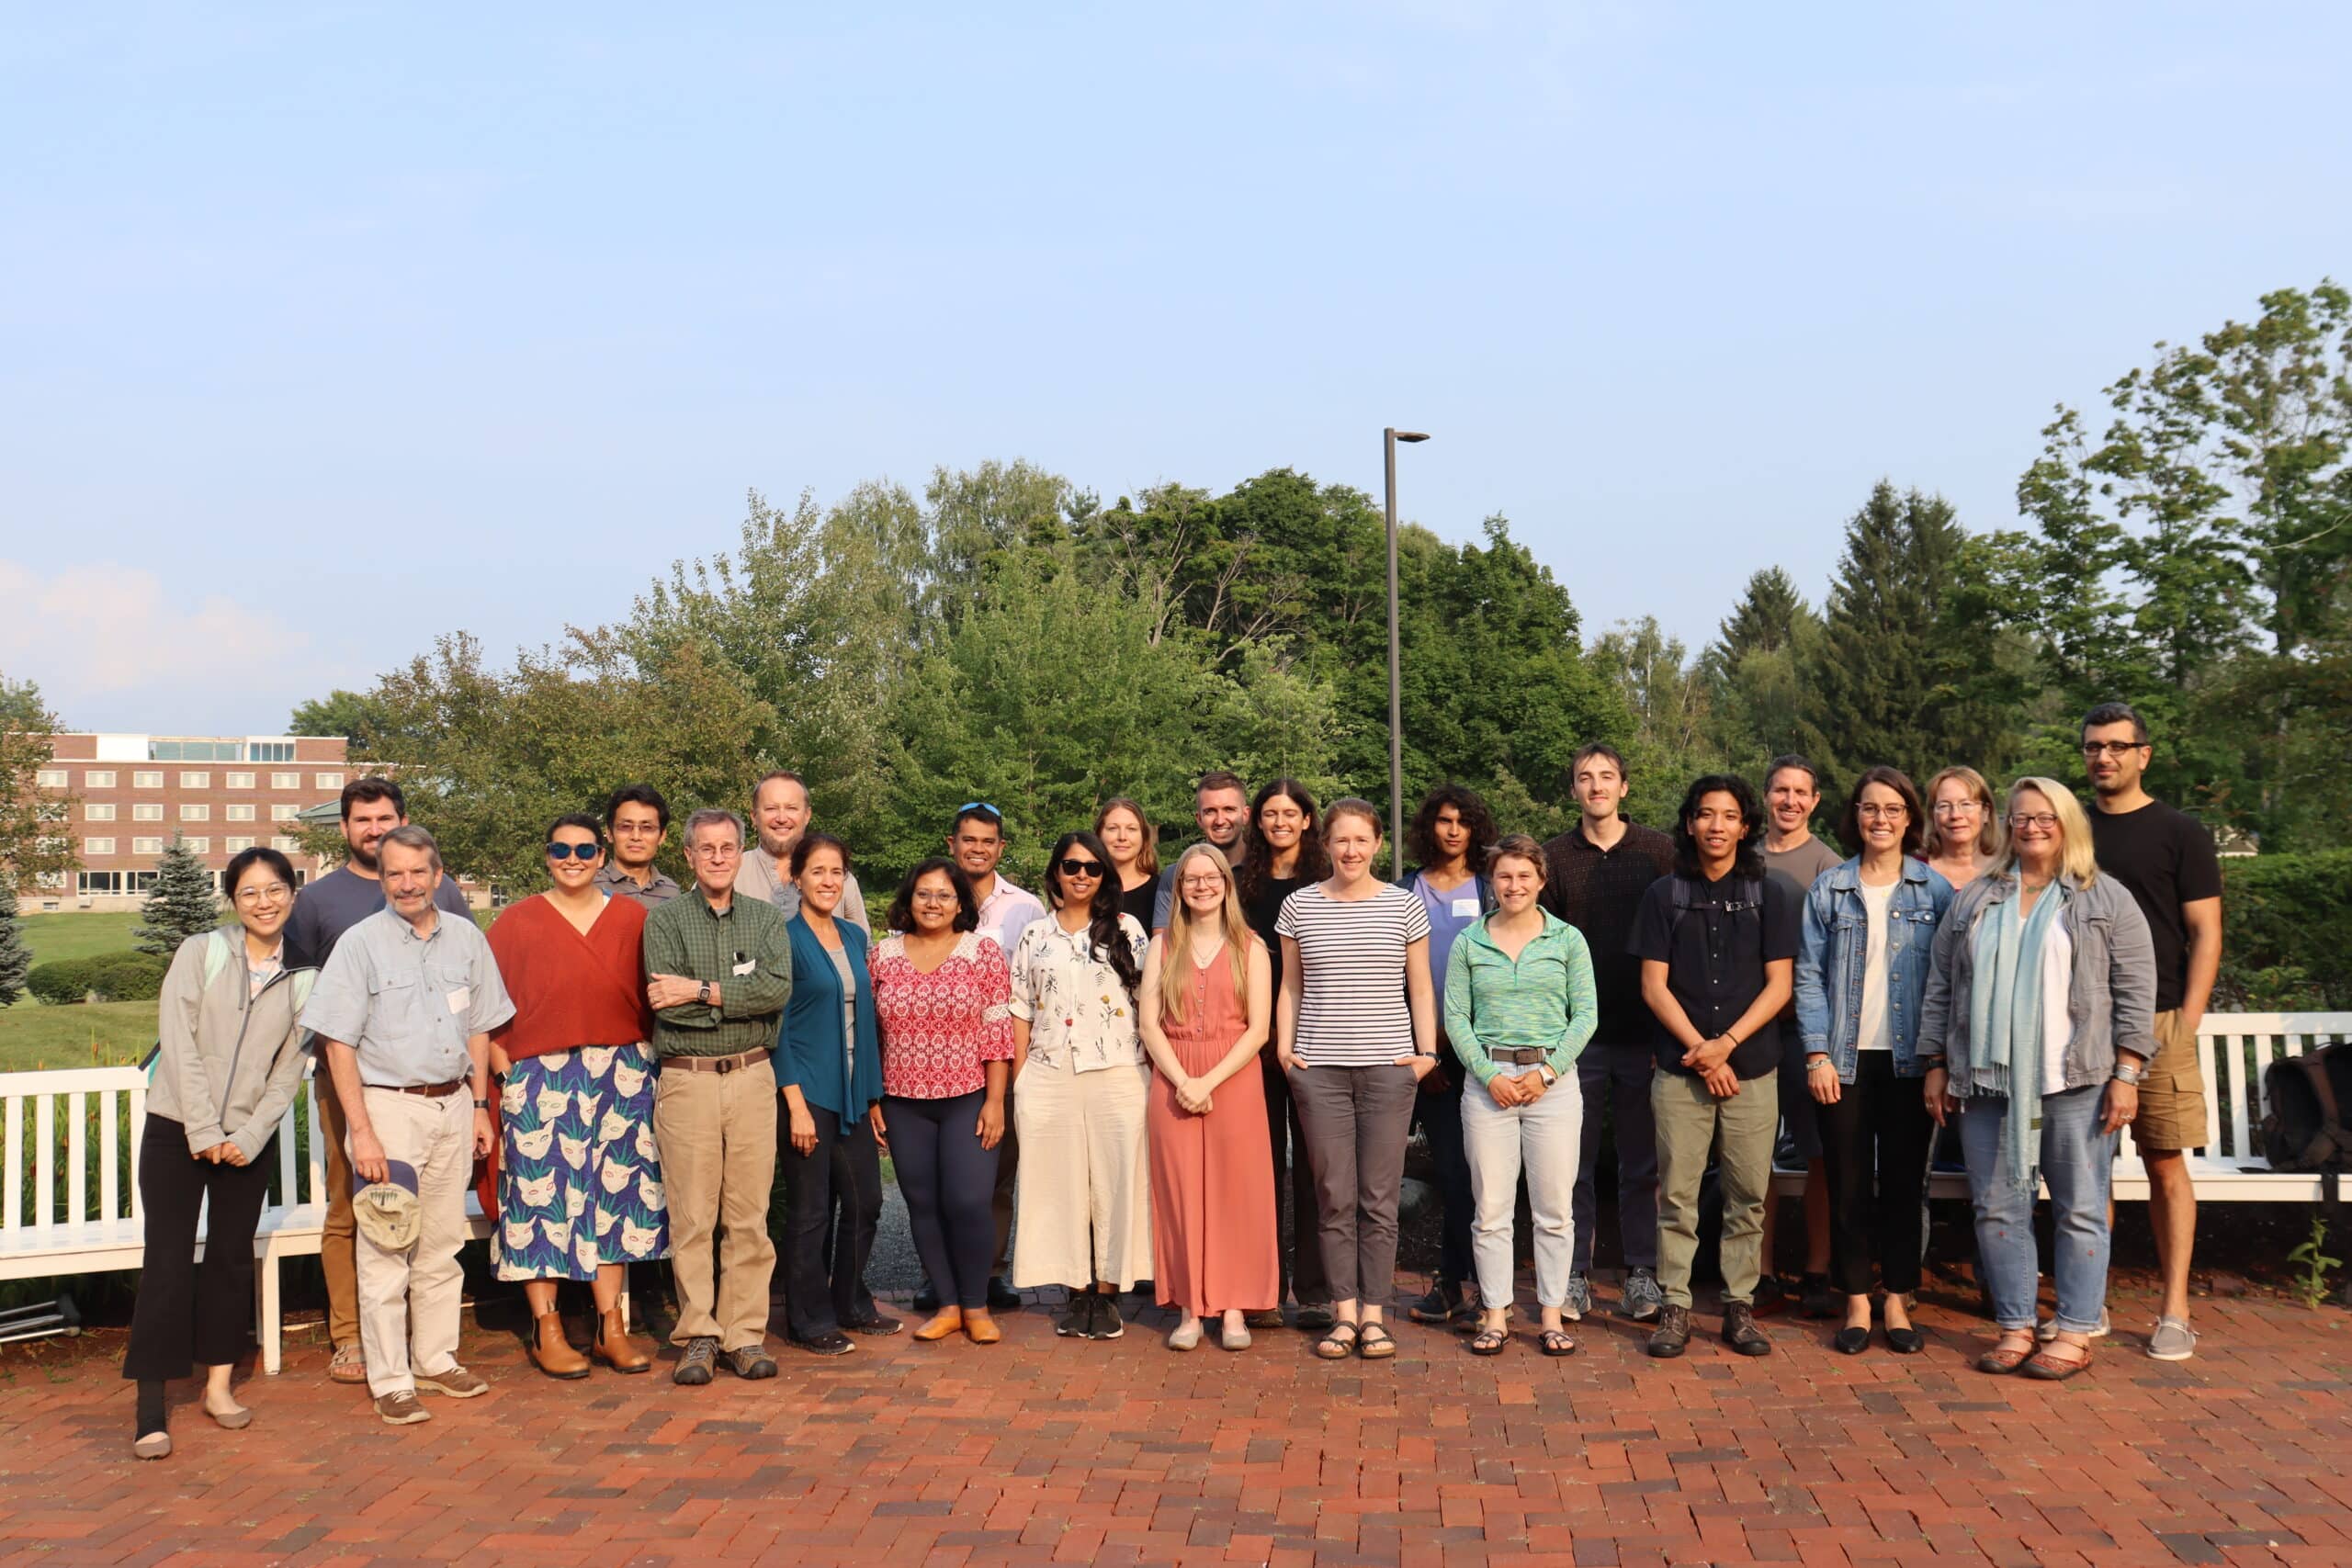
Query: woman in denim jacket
point(1861, 974)
point(2042, 994)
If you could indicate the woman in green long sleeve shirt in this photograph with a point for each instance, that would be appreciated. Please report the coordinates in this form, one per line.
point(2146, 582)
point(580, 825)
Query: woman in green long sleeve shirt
point(1519, 1008)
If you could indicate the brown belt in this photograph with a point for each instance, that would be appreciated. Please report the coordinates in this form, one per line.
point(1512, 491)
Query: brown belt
point(1520, 1054)
point(438, 1090)
point(734, 1063)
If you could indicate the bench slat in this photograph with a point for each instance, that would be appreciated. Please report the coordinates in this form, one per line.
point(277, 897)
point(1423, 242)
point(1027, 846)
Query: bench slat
point(110, 1150)
point(12, 1215)
point(44, 1159)
point(77, 1165)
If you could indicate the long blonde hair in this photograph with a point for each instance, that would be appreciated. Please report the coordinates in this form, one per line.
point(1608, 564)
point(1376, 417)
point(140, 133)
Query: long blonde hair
point(1176, 962)
point(1991, 833)
point(2078, 861)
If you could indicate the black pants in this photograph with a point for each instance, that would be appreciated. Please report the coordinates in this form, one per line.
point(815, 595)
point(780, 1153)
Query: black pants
point(946, 1179)
point(1302, 1261)
point(1439, 1111)
point(824, 1258)
point(1879, 1126)
point(190, 1312)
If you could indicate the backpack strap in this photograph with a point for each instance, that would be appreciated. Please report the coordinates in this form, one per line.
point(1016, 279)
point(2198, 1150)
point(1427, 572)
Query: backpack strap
point(216, 955)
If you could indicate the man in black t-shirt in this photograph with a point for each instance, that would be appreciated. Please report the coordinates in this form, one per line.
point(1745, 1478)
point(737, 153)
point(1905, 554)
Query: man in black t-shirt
point(1718, 945)
point(2165, 857)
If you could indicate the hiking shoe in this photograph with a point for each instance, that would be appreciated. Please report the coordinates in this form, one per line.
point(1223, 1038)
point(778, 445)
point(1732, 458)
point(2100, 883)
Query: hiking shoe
point(1078, 1322)
point(1106, 1323)
point(2047, 1329)
point(457, 1382)
point(400, 1408)
point(1443, 1300)
point(1580, 1299)
point(1316, 1315)
point(1640, 1298)
point(1264, 1318)
point(751, 1362)
point(2174, 1340)
point(1740, 1331)
point(350, 1363)
point(695, 1361)
point(1672, 1335)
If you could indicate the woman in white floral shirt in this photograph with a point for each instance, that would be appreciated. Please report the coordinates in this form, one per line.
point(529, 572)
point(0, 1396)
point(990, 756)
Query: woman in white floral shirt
point(1084, 1213)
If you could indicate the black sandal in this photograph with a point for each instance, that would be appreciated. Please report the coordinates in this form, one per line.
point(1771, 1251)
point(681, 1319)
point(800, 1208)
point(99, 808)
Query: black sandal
point(1489, 1341)
point(1374, 1344)
point(1555, 1342)
point(1338, 1343)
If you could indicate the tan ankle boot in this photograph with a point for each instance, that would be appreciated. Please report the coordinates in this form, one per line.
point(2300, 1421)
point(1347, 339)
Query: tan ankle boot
point(615, 1349)
point(552, 1353)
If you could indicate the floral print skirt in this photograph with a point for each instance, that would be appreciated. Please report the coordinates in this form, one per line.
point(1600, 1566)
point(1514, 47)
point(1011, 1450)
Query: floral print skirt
point(579, 1177)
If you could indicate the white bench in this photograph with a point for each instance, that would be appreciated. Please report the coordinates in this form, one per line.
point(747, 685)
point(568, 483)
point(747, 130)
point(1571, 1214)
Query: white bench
point(2232, 1048)
point(84, 1130)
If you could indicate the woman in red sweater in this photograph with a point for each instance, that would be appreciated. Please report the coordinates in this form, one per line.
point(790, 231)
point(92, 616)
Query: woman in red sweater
point(580, 1180)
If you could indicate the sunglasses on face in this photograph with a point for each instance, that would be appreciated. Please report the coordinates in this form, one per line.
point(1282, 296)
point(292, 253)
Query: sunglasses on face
point(566, 852)
point(1079, 867)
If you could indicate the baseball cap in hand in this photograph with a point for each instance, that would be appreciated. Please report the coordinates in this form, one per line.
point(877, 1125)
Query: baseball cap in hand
point(387, 1212)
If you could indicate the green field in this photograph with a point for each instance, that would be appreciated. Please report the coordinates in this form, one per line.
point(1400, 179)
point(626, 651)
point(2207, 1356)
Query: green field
point(52, 936)
point(101, 1035)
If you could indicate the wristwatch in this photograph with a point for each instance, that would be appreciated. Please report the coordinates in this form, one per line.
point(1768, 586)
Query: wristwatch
point(481, 1105)
point(2126, 1073)
point(701, 993)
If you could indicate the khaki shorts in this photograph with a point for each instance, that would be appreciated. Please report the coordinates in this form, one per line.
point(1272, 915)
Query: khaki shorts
point(2172, 1095)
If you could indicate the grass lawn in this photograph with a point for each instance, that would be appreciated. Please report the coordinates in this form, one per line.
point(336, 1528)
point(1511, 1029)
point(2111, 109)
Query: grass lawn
point(52, 936)
point(100, 1034)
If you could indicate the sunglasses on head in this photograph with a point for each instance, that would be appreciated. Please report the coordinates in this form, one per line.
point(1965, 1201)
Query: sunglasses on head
point(1072, 866)
point(566, 852)
point(979, 805)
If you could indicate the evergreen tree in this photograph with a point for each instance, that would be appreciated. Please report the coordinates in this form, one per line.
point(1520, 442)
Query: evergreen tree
point(15, 958)
point(1765, 618)
point(180, 905)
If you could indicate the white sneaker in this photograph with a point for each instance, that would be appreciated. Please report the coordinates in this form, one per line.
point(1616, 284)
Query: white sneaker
point(2174, 1340)
point(2047, 1329)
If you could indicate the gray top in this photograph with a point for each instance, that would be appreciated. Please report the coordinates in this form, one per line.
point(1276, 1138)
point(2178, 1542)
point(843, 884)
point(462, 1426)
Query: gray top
point(840, 955)
point(650, 896)
point(406, 1003)
point(1801, 865)
point(330, 906)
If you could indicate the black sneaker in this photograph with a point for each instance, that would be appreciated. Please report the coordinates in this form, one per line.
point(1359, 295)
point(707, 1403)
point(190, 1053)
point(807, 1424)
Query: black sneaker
point(1740, 1331)
point(1443, 1300)
point(832, 1342)
point(1106, 1325)
point(1316, 1315)
point(1001, 1296)
point(1078, 1322)
point(1672, 1335)
point(879, 1324)
point(694, 1362)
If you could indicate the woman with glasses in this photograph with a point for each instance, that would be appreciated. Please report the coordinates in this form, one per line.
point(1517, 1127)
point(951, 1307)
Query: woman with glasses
point(228, 1062)
point(943, 1004)
point(1963, 829)
point(1084, 1218)
point(578, 1177)
point(2038, 1016)
point(1861, 970)
point(1207, 1006)
point(1134, 846)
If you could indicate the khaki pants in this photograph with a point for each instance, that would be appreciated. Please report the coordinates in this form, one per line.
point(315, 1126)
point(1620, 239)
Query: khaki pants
point(409, 1301)
point(717, 1133)
point(336, 1246)
point(1739, 1131)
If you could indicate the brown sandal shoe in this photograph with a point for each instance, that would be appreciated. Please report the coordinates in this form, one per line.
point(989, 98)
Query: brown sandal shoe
point(2000, 1361)
point(2056, 1370)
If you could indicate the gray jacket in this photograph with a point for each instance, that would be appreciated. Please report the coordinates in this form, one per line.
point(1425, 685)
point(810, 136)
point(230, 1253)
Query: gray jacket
point(228, 1063)
point(2112, 999)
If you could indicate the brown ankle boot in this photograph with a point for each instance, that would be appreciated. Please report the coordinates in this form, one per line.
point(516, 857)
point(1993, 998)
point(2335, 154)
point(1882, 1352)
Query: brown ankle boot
point(552, 1353)
point(615, 1349)
point(948, 1321)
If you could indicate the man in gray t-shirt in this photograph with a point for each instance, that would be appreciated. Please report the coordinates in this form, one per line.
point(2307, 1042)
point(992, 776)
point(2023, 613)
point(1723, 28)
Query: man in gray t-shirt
point(1792, 855)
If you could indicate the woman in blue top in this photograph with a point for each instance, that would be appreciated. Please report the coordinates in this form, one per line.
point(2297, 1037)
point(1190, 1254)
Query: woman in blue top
point(1870, 929)
point(829, 1070)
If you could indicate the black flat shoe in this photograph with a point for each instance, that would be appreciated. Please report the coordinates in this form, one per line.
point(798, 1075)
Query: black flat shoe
point(1852, 1341)
point(1906, 1341)
point(832, 1342)
point(926, 1299)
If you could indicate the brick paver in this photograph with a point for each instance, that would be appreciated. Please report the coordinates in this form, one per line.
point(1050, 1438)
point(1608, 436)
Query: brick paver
point(1046, 1450)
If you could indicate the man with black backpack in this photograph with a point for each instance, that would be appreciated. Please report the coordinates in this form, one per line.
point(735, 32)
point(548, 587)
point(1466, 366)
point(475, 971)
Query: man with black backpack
point(1718, 945)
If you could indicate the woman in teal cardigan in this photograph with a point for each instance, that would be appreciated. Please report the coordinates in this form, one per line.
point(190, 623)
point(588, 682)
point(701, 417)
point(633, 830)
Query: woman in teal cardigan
point(829, 1070)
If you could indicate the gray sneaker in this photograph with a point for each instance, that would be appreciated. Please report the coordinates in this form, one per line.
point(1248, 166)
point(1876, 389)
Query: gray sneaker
point(2047, 1329)
point(2174, 1340)
point(400, 1408)
point(457, 1382)
point(1580, 1299)
point(1640, 1298)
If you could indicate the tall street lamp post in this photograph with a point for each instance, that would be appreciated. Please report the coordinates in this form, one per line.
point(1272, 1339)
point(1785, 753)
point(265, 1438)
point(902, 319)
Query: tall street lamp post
point(1388, 438)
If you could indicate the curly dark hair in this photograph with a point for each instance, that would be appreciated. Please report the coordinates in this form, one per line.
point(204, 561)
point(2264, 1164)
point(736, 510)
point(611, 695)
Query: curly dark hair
point(1420, 838)
point(1747, 860)
point(1914, 824)
point(1104, 937)
point(902, 909)
point(1257, 866)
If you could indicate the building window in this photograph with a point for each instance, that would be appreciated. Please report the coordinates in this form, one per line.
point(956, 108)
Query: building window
point(330, 781)
point(101, 882)
point(196, 846)
point(147, 778)
point(146, 846)
point(270, 751)
point(283, 813)
point(147, 811)
point(97, 778)
point(97, 846)
point(195, 781)
point(97, 813)
point(240, 781)
point(194, 813)
point(139, 881)
point(52, 778)
point(195, 751)
point(237, 846)
point(239, 813)
point(285, 781)
point(285, 845)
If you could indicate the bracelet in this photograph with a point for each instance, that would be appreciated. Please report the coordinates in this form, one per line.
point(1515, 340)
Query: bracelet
point(1819, 1062)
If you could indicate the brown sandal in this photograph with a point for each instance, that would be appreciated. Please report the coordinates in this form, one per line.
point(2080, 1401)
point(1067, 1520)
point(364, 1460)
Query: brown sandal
point(1338, 1343)
point(2050, 1370)
point(2000, 1361)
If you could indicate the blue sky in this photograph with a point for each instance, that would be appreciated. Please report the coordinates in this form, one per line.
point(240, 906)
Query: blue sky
point(327, 329)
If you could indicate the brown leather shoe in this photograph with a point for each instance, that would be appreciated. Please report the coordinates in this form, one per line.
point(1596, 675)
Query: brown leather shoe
point(552, 1353)
point(981, 1328)
point(947, 1321)
point(615, 1349)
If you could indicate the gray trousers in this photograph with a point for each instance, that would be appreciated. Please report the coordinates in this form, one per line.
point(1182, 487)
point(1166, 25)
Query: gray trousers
point(1356, 1122)
point(1540, 1139)
point(1619, 1076)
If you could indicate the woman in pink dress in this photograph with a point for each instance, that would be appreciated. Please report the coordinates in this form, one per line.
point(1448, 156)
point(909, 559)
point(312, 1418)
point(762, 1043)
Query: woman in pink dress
point(1206, 1002)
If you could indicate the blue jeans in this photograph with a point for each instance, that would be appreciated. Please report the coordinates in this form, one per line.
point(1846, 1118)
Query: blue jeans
point(2077, 1161)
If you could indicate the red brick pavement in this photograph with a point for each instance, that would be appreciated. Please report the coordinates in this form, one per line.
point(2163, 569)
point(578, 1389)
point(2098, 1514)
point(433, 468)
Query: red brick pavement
point(1047, 1451)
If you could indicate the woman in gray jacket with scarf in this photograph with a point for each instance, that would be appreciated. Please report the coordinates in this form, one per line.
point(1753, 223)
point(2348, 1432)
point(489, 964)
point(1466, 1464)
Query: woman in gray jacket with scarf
point(2041, 993)
point(229, 1061)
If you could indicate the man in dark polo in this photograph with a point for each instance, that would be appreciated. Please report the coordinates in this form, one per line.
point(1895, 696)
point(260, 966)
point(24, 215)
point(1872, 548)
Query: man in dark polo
point(718, 973)
point(636, 820)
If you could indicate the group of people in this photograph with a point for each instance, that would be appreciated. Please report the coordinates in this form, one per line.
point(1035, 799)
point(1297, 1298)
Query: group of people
point(1113, 1082)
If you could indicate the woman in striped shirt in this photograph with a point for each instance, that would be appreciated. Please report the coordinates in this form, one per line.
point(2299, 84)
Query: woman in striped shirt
point(1358, 1034)
point(1519, 1008)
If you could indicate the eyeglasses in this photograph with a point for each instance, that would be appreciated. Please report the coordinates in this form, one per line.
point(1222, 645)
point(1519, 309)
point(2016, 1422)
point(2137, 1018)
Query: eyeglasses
point(1958, 807)
point(714, 852)
point(928, 896)
point(2045, 820)
point(567, 852)
point(1203, 884)
point(1882, 813)
point(1076, 867)
point(2111, 748)
point(275, 893)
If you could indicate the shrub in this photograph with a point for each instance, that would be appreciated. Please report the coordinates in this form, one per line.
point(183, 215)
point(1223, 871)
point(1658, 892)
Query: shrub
point(2287, 933)
point(109, 977)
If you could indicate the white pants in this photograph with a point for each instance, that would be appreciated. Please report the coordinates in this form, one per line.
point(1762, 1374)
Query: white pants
point(1084, 1207)
point(1547, 1139)
point(409, 1301)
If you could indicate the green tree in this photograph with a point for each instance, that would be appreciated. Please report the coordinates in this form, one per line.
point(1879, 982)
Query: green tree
point(15, 958)
point(1665, 693)
point(1756, 673)
point(34, 846)
point(180, 905)
point(359, 719)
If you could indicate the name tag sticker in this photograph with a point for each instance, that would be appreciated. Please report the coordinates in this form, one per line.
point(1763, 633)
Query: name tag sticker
point(461, 998)
point(1465, 908)
point(746, 967)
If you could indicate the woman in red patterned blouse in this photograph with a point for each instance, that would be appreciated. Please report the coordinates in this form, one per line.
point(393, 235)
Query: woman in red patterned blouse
point(943, 998)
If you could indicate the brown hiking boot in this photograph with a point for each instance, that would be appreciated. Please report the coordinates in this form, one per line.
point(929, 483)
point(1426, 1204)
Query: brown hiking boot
point(1672, 1335)
point(1740, 1331)
point(552, 1353)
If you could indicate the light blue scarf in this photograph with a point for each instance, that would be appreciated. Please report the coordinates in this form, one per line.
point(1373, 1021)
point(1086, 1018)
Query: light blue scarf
point(2004, 1019)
